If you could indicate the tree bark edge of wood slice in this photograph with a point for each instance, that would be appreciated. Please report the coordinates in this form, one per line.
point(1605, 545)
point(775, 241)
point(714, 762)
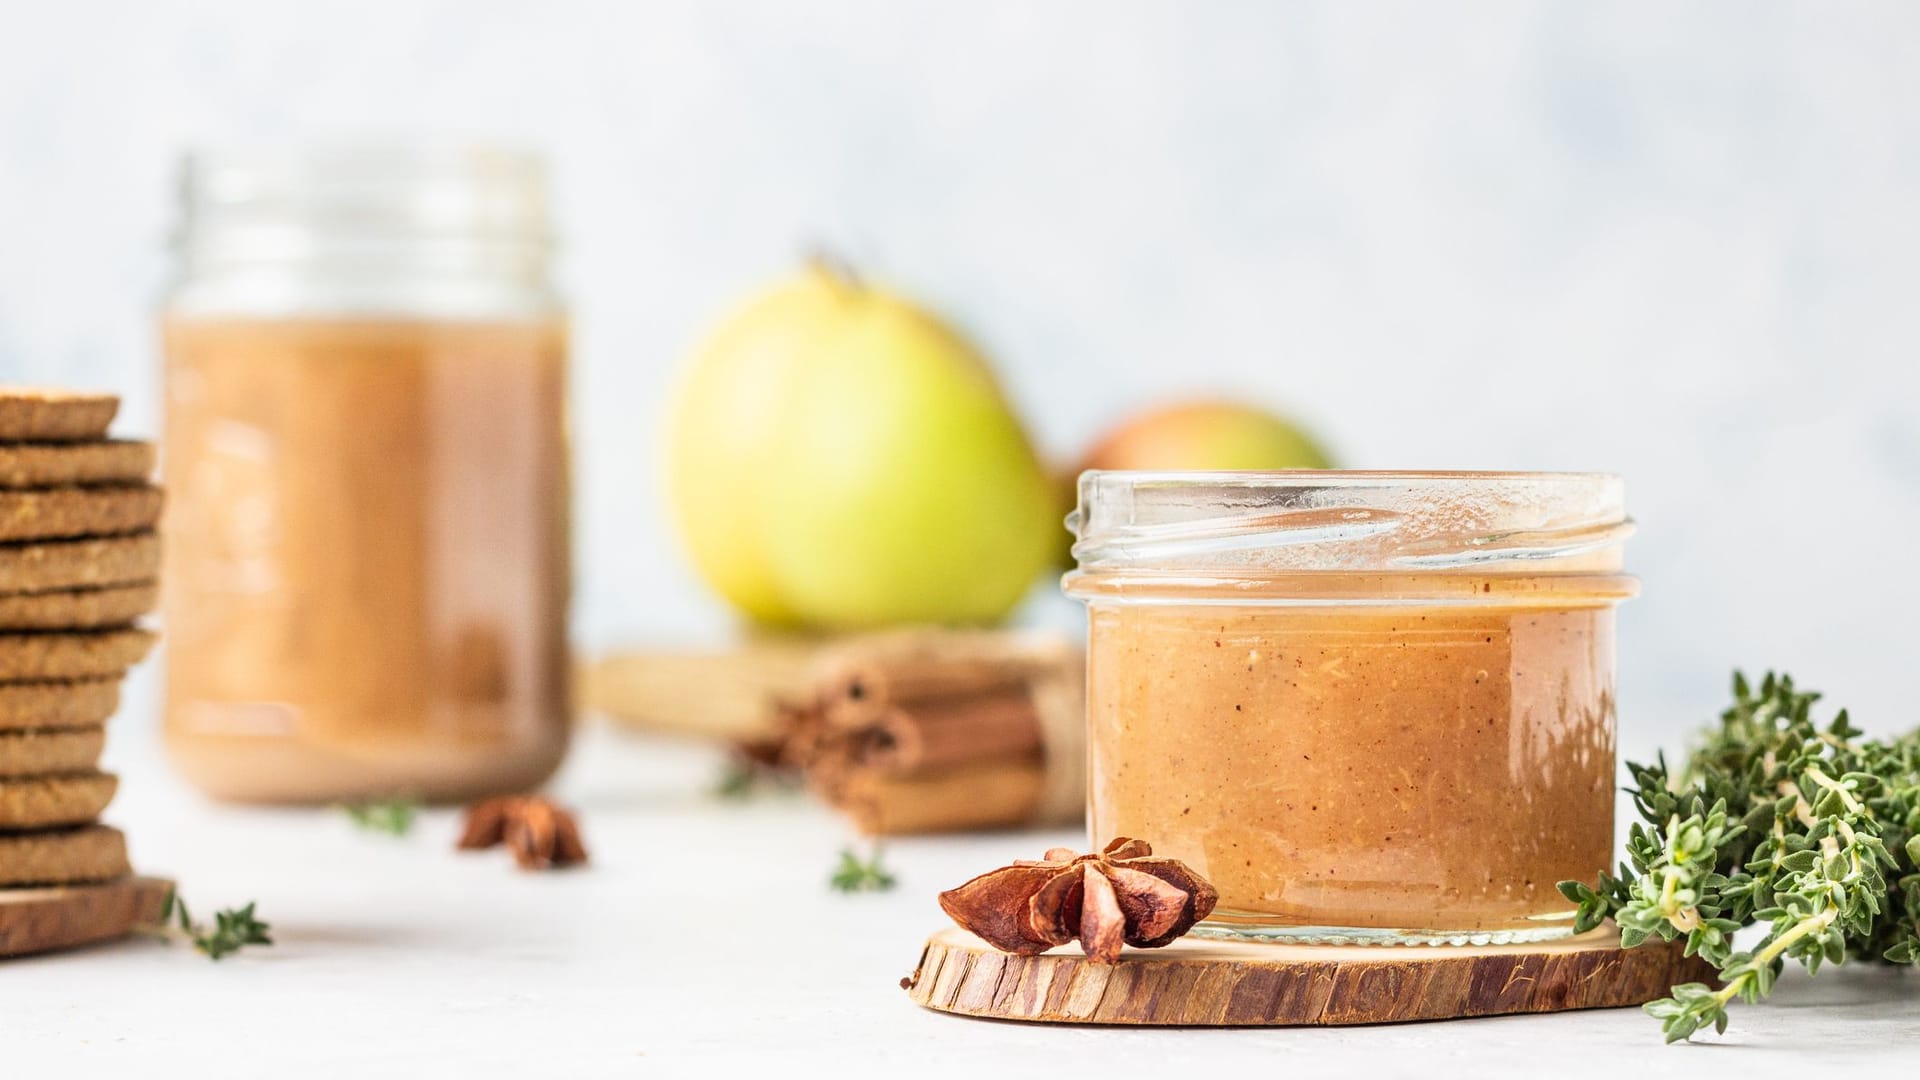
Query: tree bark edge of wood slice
point(1206, 983)
point(48, 918)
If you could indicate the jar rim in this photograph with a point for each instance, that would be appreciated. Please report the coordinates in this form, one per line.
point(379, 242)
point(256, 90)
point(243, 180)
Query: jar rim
point(288, 197)
point(362, 228)
point(1306, 520)
point(1300, 477)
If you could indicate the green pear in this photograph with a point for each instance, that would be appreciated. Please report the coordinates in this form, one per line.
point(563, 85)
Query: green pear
point(840, 459)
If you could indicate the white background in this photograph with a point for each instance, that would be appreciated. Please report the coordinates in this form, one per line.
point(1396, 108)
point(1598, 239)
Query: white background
point(1677, 241)
point(702, 940)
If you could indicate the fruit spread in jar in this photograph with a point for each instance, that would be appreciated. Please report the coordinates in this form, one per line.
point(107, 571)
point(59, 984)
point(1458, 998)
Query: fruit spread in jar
point(367, 569)
point(1367, 707)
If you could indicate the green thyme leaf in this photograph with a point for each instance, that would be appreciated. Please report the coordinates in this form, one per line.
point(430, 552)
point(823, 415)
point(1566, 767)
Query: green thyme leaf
point(736, 781)
point(232, 930)
point(854, 874)
point(393, 816)
point(752, 770)
point(1810, 831)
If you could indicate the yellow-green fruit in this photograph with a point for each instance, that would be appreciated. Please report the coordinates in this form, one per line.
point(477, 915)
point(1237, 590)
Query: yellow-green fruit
point(1207, 435)
point(1198, 435)
point(839, 458)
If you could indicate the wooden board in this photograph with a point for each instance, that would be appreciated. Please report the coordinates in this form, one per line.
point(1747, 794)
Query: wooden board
point(723, 695)
point(1215, 983)
point(61, 917)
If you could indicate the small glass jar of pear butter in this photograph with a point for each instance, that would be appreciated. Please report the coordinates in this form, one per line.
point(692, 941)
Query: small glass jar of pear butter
point(366, 456)
point(1370, 707)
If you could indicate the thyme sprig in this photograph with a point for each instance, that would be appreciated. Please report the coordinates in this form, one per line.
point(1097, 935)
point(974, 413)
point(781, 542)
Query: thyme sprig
point(232, 930)
point(854, 874)
point(393, 816)
point(1812, 831)
point(742, 778)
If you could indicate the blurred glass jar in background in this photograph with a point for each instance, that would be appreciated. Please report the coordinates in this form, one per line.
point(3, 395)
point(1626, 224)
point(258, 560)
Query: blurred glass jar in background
point(366, 456)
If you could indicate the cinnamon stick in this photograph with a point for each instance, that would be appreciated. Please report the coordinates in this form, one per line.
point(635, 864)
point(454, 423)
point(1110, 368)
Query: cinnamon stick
point(932, 731)
point(942, 732)
point(858, 684)
point(994, 793)
point(907, 731)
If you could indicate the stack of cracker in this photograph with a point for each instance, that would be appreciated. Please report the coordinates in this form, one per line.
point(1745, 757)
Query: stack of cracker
point(79, 563)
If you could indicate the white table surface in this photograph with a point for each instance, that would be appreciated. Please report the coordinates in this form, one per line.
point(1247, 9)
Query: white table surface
point(703, 934)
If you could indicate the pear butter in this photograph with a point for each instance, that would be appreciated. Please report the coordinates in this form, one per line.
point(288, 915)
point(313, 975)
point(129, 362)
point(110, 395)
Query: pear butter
point(1367, 707)
point(367, 570)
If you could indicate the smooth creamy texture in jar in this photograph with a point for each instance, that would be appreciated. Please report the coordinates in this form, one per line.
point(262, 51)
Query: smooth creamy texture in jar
point(367, 556)
point(1407, 768)
point(1356, 753)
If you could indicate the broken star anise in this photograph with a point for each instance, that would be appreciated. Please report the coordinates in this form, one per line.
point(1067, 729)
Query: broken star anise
point(1121, 894)
point(540, 834)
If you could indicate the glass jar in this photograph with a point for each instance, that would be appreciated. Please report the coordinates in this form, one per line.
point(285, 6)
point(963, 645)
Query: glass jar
point(366, 457)
point(1369, 707)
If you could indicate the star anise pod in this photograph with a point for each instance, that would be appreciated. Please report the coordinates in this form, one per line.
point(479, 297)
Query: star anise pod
point(540, 834)
point(1121, 894)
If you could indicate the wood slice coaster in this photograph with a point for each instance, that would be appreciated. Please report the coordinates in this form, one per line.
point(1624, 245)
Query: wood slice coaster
point(63, 916)
point(1217, 983)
